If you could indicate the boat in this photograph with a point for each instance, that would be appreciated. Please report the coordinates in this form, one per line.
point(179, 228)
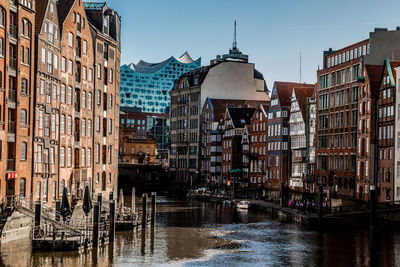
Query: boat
point(243, 205)
point(227, 202)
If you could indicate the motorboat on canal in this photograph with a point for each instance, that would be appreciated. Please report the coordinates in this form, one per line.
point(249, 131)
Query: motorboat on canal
point(244, 205)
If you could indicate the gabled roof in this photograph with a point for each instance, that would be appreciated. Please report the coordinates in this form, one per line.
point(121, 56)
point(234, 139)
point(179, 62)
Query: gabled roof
point(390, 65)
point(240, 116)
point(63, 8)
point(302, 93)
point(373, 72)
point(284, 90)
point(219, 105)
point(263, 109)
point(41, 7)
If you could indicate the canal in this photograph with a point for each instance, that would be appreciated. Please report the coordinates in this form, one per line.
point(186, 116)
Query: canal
point(192, 233)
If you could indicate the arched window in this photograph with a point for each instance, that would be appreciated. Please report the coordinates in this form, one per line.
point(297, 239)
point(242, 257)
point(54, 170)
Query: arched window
point(24, 86)
point(26, 28)
point(22, 187)
point(362, 147)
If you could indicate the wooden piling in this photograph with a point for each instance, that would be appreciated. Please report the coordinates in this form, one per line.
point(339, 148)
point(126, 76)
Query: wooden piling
point(153, 208)
point(96, 217)
point(38, 212)
point(144, 210)
point(111, 230)
point(133, 200)
point(99, 200)
point(58, 209)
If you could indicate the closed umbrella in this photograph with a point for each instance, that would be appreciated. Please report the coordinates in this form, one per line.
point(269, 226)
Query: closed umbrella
point(65, 207)
point(87, 202)
point(121, 199)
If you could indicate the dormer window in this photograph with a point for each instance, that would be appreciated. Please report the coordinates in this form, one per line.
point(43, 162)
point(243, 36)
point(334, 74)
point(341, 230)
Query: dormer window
point(105, 25)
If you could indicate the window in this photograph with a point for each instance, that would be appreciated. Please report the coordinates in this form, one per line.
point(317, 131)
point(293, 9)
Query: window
point(62, 93)
point(110, 126)
point(90, 76)
point(23, 150)
point(84, 47)
point(69, 157)
point(22, 187)
point(69, 99)
point(55, 57)
point(111, 76)
point(62, 124)
point(89, 128)
point(98, 153)
point(39, 153)
point(24, 86)
point(98, 124)
point(2, 17)
point(84, 73)
point(83, 127)
point(89, 100)
point(84, 99)
point(70, 39)
point(83, 157)
point(70, 67)
point(1, 45)
point(110, 102)
point(38, 189)
point(40, 119)
point(53, 123)
point(69, 127)
point(62, 156)
point(98, 71)
point(63, 64)
point(23, 116)
point(89, 157)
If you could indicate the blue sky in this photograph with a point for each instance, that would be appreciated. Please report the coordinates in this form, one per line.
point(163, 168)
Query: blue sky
point(271, 32)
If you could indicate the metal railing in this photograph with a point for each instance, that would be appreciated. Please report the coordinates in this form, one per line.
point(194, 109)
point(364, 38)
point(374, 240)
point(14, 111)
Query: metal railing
point(11, 127)
point(12, 95)
point(13, 63)
point(13, 31)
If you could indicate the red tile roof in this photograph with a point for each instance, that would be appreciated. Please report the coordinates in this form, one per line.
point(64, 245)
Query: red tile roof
point(284, 90)
point(302, 93)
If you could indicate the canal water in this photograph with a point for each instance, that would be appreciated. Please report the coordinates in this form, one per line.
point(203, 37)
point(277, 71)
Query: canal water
point(192, 233)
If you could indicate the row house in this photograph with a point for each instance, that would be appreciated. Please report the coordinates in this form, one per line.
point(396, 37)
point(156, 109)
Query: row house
point(212, 126)
point(278, 166)
point(346, 86)
point(17, 76)
point(301, 119)
point(255, 136)
point(47, 121)
point(385, 117)
point(396, 145)
point(235, 121)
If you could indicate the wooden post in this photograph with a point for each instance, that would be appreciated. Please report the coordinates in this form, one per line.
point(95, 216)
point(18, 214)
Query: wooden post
point(133, 200)
point(99, 200)
point(111, 231)
point(58, 209)
point(144, 210)
point(96, 212)
point(38, 212)
point(153, 208)
point(320, 201)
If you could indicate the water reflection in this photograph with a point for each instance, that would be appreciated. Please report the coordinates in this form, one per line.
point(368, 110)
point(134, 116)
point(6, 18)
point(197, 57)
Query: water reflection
point(207, 234)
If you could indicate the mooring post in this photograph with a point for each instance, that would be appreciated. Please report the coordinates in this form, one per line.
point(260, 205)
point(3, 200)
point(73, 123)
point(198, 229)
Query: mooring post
point(372, 202)
point(111, 231)
point(153, 208)
point(58, 209)
point(282, 193)
point(144, 210)
point(320, 200)
point(38, 212)
point(99, 200)
point(133, 200)
point(96, 217)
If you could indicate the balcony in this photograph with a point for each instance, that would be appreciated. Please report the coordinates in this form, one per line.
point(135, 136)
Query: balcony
point(77, 136)
point(12, 64)
point(11, 127)
point(12, 98)
point(10, 165)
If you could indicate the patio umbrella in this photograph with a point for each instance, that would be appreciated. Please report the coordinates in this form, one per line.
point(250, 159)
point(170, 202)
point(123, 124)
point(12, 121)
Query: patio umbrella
point(121, 199)
point(87, 202)
point(65, 207)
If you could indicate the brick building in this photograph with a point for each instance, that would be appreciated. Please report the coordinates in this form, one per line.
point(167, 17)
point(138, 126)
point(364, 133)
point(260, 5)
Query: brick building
point(17, 46)
point(105, 27)
point(46, 124)
point(343, 90)
point(278, 166)
point(386, 131)
point(235, 121)
point(134, 149)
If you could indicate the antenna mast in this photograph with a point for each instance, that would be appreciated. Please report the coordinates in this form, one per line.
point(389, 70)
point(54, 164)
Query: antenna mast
point(300, 67)
point(234, 37)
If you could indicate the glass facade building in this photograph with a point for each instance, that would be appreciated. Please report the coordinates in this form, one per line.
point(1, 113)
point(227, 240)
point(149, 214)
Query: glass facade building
point(146, 85)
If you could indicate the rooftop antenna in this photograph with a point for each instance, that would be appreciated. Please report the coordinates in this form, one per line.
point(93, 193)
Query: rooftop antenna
point(234, 37)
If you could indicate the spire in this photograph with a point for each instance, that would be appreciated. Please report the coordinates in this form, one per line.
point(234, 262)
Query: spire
point(234, 37)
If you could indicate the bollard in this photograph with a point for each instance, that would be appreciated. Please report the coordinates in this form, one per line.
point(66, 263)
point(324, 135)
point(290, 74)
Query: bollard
point(133, 200)
point(153, 208)
point(96, 210)
point(99, 200)
point(320, 200)
point(282, 194)
point(58, 209)
point(38, 212)
point(144, 210)
point(111, 230)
